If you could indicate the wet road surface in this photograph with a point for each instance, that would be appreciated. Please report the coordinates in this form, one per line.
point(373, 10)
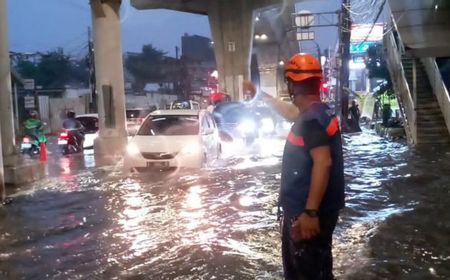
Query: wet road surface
point(87, 222)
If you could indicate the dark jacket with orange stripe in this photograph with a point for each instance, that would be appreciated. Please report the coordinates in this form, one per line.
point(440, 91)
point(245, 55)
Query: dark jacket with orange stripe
point(315, 127)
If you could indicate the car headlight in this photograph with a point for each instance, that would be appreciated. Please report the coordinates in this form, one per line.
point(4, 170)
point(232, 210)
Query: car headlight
point(267, 125)
point(133, 149)
point(192, 149)
point(247, 126)
point(287, 125)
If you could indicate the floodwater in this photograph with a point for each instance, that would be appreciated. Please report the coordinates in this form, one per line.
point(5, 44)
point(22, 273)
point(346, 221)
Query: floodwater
point(88, 222)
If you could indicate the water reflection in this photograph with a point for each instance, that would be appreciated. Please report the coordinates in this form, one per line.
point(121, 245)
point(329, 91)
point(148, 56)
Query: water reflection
point(192, 214)
point(65, 166)
point(221, 223)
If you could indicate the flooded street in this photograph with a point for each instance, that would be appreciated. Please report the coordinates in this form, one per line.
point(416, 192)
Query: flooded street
point(85, 222)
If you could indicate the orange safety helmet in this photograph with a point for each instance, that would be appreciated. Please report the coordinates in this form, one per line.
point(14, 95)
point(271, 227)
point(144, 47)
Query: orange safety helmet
point(302, 66)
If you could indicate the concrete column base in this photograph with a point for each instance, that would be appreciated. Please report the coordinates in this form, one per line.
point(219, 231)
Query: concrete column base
point(109, 151)
point(24, 171)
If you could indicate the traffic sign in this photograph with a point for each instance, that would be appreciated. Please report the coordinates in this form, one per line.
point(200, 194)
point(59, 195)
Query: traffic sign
point(29, 102)
point(305, 36)
point(28, 84)
point(304, 19)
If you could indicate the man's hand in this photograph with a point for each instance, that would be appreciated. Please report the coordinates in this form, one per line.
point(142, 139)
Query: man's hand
point(249, 88)
point(305, 228)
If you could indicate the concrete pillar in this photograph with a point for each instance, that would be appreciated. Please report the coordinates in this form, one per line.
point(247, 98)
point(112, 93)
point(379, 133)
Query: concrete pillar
point(109, 76)
point(232, 29)
point(13, 169)
point(268, 57)
point(2, 176)
point(6, 104)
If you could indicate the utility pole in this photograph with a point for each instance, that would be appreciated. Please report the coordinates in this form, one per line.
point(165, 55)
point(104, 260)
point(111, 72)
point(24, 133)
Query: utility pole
point(179, 77)
point(345, 34)
point(177, 71)
point(92, 79)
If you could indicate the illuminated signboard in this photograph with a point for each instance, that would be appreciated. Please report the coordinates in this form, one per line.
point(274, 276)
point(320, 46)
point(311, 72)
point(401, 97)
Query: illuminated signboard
point(360, 32)
point(360, 47)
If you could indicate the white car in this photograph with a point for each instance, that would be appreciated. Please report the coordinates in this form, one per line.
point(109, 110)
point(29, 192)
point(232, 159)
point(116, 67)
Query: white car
point(135, 117)
point(185, 105)
point(174, 138)
point(90, 124)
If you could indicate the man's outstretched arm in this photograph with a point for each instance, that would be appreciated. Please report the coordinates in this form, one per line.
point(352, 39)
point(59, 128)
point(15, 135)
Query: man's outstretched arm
point(287, 110)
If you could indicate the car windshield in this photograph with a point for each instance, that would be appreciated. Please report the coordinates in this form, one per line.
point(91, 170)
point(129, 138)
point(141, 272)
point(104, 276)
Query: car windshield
point(170, 125)
point(181, 105)
point(90, 124)
point(135, 114)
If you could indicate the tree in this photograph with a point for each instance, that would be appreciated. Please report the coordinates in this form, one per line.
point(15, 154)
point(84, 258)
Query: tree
point(54, 70)
point(26, 69)
point(146, 66)
point(79, 72)
point(377, 67)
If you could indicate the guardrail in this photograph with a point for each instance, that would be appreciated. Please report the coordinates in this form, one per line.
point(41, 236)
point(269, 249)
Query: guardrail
point(439, 88)
point(401, 87)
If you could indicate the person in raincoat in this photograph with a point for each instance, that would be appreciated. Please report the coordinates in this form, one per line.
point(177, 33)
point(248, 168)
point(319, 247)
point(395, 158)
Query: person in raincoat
point(33, 126)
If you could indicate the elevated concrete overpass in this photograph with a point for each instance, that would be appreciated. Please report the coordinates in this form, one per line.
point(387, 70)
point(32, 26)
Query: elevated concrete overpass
point(424, 26)
point(232, 25)
point(195, 6)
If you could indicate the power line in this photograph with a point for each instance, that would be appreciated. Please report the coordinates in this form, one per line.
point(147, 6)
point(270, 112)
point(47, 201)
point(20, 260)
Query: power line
point(72, 40)
point(77, 49)
point(76, 5)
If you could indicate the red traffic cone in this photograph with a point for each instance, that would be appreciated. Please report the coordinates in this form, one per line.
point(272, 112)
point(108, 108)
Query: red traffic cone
point(43, 151)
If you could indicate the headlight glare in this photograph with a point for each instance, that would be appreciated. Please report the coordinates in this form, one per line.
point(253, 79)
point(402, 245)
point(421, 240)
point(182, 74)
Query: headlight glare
point(133, 149)
point(247, 126)
point(267, 125)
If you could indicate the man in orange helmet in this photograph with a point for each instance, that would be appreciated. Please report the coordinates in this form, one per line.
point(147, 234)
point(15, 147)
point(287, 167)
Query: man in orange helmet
point(312, 181)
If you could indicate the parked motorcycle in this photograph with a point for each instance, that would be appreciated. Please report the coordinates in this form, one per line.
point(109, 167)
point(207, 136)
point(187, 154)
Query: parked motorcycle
point(68, 142)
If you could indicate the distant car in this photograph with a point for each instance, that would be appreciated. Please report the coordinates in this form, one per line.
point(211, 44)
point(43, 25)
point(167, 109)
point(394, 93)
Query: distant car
point(185, 105)
point(243, 121)
point(233, 118)
point(174, 138)
point(135, 117)
point(90, 124)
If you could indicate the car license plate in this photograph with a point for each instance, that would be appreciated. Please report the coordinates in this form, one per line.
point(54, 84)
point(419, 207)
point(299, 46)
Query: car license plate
point(158, 164)
point(62, 142)
point(26, 146)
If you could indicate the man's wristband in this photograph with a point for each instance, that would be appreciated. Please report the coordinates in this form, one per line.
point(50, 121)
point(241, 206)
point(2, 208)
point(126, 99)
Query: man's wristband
point(311, 213)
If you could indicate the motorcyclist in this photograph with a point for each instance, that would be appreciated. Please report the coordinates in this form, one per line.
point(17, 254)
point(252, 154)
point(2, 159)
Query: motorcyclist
point(33, 126)
point(74, 126)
